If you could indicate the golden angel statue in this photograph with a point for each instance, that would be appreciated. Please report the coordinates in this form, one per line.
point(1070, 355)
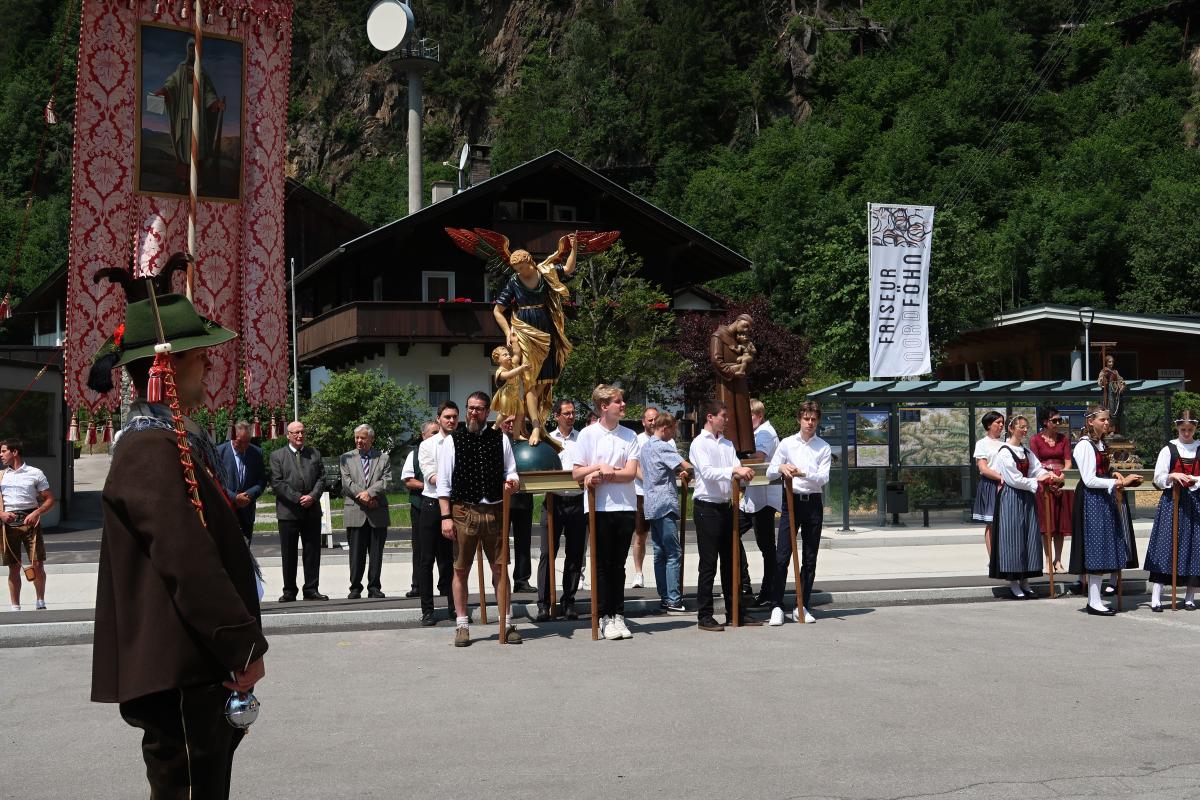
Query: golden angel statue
point(529, 309)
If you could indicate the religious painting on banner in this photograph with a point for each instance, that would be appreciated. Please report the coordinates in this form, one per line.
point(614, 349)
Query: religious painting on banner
point(129, 207)
point(901, 238)
point(166, 58)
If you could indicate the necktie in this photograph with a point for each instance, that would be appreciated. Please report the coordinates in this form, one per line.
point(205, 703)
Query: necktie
point(366, 468)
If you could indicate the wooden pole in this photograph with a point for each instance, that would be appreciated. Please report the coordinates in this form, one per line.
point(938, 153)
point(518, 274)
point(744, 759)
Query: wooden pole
point(792, 524)
point(736, 618)
point(683, 509)
point(1121, 520)
point(1046, 537)
point(591, 496)
point(550, 543)
point(194, 171)
point(1174, 543)
point(482, 586)
point(502, 593)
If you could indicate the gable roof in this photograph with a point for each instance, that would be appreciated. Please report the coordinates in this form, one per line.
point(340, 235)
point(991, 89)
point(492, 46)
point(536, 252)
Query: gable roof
point(553, 160)
point(1051, 312)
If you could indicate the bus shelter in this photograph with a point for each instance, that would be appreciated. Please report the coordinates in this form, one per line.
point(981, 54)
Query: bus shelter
point(887, 425)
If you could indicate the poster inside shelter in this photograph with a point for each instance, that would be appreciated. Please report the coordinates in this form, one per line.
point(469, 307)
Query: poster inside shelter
point(934, 437)
point(164, 146)
point(871, 431)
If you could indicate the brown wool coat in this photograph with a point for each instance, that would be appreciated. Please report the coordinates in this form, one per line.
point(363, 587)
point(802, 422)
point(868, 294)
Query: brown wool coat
point(176, 604)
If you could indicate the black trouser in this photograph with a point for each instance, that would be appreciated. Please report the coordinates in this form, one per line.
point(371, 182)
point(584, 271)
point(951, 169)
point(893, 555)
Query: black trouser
point(414, 515)
point(520, 522)
point(714, 540)
point(763, 522)
point(614, 533)
point(365, 540)
point(186, 742)
point(246, 522)
point(308, 532)
point(569, 522)
point(434, 547)
point(809, 513)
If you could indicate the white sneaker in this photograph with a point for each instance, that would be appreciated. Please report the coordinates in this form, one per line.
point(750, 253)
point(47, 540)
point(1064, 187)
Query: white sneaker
point(612, 631)
point(41, 604)
point(619, 622)
point(808, 618)
point(776, 616)
point(639, 582)
point(16, 608)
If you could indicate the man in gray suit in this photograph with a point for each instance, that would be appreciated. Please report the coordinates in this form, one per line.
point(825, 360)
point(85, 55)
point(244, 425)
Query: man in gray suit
point(366, 473)
point(298, 480)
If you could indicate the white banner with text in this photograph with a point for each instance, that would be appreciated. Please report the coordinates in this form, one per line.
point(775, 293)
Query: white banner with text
point(901, 238)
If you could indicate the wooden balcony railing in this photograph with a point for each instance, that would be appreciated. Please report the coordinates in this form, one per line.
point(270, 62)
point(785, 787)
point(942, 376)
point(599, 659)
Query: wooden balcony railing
point(402, 322)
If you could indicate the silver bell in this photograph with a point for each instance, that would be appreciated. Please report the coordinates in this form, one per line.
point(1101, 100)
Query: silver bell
point(241, 709)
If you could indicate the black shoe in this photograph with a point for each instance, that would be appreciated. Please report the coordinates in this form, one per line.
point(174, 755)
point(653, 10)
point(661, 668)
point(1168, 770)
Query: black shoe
point(376, 594)
point(523, 587)
point(427, 620)
point(1030, 594)
point(570, 613)
point(710, 624)
point(1188, 606)
point(1157, 609)
point(1013, 595)
point(1097, 613)
point(543, 615)
point(412, 593)
point(316, 596)
point(747, 622)
point(762, 601)
point(351, 596)
point(287, 598)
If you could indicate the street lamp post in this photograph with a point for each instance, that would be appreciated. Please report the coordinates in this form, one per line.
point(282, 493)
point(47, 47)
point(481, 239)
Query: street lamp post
point(1086, 315)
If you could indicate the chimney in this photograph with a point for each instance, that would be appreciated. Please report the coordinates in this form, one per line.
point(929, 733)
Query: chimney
point(442, 190)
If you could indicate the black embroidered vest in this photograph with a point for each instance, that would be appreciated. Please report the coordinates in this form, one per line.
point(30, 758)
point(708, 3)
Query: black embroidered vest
point(478, 466)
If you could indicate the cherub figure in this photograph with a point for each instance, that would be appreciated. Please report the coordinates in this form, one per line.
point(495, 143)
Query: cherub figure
point(746, 352)
point(529, 309)
point(510, 387)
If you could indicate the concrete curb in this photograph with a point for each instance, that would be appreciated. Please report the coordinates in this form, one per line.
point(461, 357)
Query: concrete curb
point(80, 632)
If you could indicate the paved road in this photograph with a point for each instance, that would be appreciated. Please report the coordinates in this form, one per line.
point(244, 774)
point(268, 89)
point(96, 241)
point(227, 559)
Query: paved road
point(997, 700)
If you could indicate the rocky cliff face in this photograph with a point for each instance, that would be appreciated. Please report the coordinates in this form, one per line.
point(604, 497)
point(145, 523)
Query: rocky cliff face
point(349, 102)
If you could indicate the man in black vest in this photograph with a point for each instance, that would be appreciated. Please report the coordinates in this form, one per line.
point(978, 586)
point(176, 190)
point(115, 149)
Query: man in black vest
point(475, 468)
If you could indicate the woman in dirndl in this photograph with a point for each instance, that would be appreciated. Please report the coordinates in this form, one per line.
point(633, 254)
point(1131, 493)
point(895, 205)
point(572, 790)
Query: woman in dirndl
point(1017, 541)
point(1103, 529)
point(989, 480)
point(1177, 466)
point(1054, 505)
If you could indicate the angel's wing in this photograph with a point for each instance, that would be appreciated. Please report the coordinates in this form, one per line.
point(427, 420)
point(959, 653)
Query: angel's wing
point(591, 242)
point(487, 245)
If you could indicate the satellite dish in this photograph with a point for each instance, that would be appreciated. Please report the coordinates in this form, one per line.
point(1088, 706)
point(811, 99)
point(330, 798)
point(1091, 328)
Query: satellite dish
point(388, 24)
point(464, 157)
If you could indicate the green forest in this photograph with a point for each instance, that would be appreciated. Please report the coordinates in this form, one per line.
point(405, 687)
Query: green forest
point(1057, 138)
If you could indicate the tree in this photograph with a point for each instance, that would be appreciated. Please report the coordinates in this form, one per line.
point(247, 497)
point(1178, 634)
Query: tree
point(352, 398)
point(781, 363)
point(620, 328)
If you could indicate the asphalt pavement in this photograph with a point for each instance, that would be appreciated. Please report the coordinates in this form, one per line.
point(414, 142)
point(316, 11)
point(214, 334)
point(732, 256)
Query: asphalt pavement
point(1024, 700)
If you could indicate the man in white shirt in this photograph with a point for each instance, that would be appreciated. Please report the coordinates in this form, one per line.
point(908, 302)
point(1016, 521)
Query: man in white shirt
point(569, 523)
point(414, 482)
point(641, 530)
point(433, 546)
point(606, 457)
point(760, 504)
point(717, 465)
point(803, 459)
point(476, 468)
point(26, 498)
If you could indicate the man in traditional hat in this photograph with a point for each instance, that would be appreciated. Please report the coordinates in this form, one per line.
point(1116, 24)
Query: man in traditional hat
point(177, 615)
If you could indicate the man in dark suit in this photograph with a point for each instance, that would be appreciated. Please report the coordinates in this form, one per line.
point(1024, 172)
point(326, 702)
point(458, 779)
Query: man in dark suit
point(246, 474)
point(298, 480)
point(177, 616)
point(366, 473)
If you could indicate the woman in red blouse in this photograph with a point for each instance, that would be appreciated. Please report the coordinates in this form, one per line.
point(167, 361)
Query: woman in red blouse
point(1053, 449)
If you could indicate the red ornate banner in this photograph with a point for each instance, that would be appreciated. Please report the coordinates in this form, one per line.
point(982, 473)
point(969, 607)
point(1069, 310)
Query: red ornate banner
point(121, 183)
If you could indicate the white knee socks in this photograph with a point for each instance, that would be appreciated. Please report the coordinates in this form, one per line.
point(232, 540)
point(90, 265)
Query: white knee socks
point(1156, 594)
point(1094, 582)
